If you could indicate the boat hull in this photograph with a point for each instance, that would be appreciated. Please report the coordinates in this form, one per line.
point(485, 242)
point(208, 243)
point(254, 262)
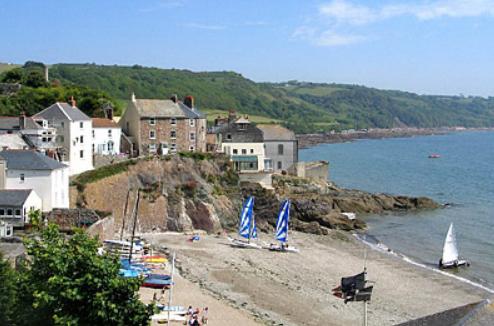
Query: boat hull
point(454, 264)
point(243, 244)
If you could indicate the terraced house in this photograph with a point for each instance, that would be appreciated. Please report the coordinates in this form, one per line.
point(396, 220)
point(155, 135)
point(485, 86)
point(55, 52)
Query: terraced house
point(164, 126)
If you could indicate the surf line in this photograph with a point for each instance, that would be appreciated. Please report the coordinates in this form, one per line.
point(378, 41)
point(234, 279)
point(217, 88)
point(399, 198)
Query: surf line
point(384, 249)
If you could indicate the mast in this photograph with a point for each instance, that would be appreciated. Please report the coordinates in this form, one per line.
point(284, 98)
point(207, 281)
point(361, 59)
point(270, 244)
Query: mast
point(136, 208)
point(365, 276)
point(124, 213)
point(171, 288)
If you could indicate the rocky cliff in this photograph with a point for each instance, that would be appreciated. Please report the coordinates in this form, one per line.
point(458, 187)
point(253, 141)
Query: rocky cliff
point(202, 192)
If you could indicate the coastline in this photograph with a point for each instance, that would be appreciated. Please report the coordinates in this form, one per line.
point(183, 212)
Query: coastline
point(295, 289)
point(310, 140)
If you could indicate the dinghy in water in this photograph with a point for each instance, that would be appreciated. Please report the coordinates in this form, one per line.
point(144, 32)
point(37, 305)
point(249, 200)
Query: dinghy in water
point(282, 230)
point(247, 228)
point(450, 258)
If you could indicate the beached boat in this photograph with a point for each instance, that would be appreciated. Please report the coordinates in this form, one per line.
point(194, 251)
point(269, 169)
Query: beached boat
point(282, 230)
point(434, 156)
point(163, 316)
point(247, 227)
point(450, 258)
point(157, 281)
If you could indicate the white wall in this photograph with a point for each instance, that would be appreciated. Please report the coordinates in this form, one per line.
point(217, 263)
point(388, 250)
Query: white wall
point(51, 186)
point(33, 202)
point(258, 150)
point(102, 138)
point(78, 164)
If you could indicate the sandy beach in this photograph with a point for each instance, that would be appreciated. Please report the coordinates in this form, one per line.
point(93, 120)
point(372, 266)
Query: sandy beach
point(249, 287)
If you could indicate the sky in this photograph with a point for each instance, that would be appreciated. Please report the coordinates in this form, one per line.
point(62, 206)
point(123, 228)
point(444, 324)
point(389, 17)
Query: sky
point(422, 46)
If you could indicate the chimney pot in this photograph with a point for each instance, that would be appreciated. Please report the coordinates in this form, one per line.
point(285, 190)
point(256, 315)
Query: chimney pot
point(73, 102)
point(174, 98)
point(189, 101)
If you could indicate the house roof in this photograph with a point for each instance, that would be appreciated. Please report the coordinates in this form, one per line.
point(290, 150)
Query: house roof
point(62, 111)
point(237, 133)
point(12, 123)
point(165, 109)
point(29, 160)
point(14, 197)
point(104, 123)
point(12, 141)
point(276, 132)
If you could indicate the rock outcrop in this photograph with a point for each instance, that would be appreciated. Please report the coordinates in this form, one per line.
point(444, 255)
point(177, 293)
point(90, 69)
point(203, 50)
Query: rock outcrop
point(187, 193)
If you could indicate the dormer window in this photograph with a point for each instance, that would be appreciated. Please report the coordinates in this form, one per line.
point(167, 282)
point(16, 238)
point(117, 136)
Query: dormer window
point(229, 136)
point(152, 121)
point(242, 126)
point(173, 121)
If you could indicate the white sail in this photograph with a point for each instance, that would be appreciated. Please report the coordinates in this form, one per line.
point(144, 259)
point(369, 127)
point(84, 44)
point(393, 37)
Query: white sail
point(450, 250)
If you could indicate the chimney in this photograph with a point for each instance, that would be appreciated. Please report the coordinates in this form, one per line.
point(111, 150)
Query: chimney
point(3, 167)
point(133, 97)
point(189, 101)
point(73, 102)
point(174, 98)
point(232, 116)
point(22, 120)
point(108, 111)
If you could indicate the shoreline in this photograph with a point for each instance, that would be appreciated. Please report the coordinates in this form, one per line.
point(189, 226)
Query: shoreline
point(311, 140)
point(295, 289)
point(383, 248)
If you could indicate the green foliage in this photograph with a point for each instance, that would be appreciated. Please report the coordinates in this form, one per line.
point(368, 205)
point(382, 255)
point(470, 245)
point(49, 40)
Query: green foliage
point(67, 283)
point(7, 292)
point(197, 156)
point(35, 218)
point(36, 94)
point(100, 173)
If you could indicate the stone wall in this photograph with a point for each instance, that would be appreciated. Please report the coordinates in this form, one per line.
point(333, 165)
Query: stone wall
point(311, 170)
point(103, 229)
point(264, 179)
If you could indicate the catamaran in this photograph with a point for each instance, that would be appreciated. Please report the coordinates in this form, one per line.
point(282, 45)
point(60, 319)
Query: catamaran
point(450, 256)
point(282, 229)
point(247, 227)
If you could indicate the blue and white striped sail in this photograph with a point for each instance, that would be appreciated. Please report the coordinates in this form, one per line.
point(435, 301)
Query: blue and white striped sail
point(246, 218)
point(254, 227)
point(282, 223)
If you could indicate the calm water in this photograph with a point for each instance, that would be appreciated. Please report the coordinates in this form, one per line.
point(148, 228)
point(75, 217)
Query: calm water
point(463, 176)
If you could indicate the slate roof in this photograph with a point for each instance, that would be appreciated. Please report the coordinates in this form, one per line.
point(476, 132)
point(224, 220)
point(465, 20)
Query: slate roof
point(276, 132)
point(104, 123)
point(12, 123)
point(62, 111)
point(165, 109)
point(12, 141)
point(14, 197)
point(29, 160)
point(251, 134)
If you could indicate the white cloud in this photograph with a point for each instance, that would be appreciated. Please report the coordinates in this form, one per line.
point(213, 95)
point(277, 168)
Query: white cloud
point(336, 15)
point(326, 37)
point(204, 26)
point(346, 12)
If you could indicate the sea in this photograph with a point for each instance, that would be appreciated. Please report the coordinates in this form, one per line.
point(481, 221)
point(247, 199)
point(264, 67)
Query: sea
point(463, 178)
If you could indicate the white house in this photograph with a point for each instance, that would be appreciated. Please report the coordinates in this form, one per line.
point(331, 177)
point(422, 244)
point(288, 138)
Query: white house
point(106, 137)
point(15, 206)
point(74, 134)
point(49, 178)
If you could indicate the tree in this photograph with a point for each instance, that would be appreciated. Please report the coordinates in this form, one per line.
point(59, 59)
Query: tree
point(13, 76)
point(7, 292)
point(34, 79)
point(65, 282)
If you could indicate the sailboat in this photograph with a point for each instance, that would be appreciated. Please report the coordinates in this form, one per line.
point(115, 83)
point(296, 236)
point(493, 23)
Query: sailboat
point(282, 229)
point(247, 226)
point(450, 256)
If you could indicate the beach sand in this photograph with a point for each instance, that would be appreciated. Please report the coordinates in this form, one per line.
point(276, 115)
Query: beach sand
point(295, 289)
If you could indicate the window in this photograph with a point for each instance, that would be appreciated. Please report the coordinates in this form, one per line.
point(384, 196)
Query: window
point(242, 126)
point(61, 124)
point(109, 133)
point(192, 122)
point(152, 134)
point(81, 154)
point(191, 148)
point(252, 151)
point(235, 151)
point(2, 212)
point(173, 134)
point(280, 149)
point(22, 177)
point(280, 165)
point(244, 151)
point(173, 147)
point(93, 133)
point(173, 121)
point(17, 212)
point(192, 136)
point(81, 125)
point(61, 138)
point(82, 139)
point(228, 136)
point(152, 121)
point(9, 212)
point(152, 148)
point(110, 146)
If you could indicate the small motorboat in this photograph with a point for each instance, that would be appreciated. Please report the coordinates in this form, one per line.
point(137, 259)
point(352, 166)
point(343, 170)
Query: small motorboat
point(434, 156)
point(450, 258)
point(157, 281)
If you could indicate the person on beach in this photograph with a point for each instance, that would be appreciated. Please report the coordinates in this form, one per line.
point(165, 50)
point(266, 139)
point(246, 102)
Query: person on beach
point(190, 311)
point(204, 318)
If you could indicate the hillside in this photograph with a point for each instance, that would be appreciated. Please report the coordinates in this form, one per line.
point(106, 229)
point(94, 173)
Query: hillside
point(302, 106)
